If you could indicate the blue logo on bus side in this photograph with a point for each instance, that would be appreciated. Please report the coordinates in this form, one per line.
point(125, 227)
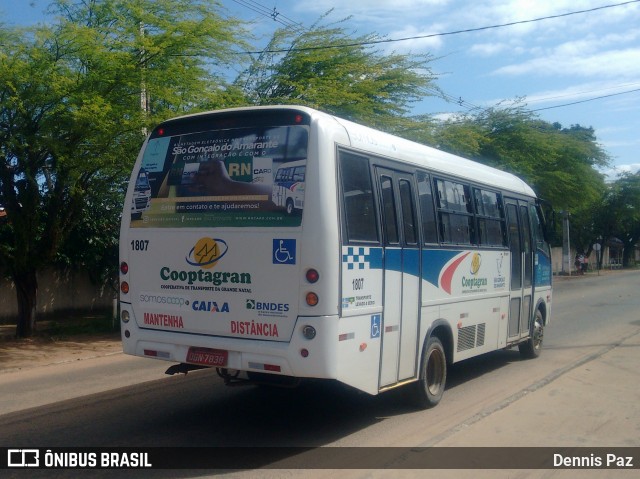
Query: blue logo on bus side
point(375, 325)
point(284, 251)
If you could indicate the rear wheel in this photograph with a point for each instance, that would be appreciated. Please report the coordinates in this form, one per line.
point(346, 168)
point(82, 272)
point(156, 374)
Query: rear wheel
point(533, 346)
point(433, 374)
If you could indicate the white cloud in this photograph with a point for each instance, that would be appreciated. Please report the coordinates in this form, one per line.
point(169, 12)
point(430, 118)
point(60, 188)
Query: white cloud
point(616, 171)
point(580, 91)
point(417, 44)
point(565, 61)
point(488, 49)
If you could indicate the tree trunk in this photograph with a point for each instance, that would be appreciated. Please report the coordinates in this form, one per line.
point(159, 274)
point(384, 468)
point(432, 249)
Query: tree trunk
point(628, 254)
point(26, 290)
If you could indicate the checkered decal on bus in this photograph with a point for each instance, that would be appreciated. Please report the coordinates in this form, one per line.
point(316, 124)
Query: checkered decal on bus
point(356, 257)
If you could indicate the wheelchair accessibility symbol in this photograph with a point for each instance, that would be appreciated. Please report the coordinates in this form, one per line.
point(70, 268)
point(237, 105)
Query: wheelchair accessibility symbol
point(284, 251)
point(375, 326)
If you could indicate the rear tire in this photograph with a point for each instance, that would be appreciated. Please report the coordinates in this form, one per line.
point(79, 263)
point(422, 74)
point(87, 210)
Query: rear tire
point(533, 346)
point(433, 374)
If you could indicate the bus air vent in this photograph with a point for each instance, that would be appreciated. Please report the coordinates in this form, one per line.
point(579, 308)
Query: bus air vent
point(471, 337)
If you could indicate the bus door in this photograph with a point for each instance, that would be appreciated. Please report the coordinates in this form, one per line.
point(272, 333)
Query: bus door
point(521, 267)
point(401, 283)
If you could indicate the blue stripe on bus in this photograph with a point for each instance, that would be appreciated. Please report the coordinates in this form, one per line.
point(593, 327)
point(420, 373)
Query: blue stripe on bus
point(432, 263)
point(412, 262)
point(405, 261)
point(393, 260)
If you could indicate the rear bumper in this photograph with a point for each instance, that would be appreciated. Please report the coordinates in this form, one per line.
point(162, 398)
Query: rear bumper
point(300, 357)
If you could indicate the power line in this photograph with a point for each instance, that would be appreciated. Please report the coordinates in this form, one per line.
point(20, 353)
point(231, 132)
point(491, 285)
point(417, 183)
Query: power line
point(274, 14)
point(442, 34)
point(462, 120)
point(587, 100)
point(584, 92)
point(470, 106)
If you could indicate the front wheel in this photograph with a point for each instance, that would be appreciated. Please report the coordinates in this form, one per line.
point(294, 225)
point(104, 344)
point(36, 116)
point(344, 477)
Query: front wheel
point(433, 374)
point(289, 206)
point(533, 346)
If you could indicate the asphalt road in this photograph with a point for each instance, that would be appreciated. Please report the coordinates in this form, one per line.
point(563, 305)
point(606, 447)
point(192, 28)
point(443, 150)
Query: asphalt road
point(118, 401)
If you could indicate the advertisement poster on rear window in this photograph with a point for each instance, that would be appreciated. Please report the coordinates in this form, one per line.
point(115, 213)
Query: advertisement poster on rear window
point(237, 177)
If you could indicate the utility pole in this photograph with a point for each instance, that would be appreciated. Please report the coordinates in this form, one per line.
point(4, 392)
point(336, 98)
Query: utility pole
point(144, 100)
point(566, 246)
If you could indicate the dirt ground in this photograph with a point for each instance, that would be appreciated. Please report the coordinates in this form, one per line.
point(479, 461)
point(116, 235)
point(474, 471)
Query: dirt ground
point(44, 349)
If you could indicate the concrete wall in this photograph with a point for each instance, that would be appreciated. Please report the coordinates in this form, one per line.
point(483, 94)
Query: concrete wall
point(556, 259)
point(58, 292)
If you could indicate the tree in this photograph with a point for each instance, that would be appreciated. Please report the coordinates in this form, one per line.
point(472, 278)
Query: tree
point(619, 214)
point(559, 163)
point(71, 120)
point(325, 68)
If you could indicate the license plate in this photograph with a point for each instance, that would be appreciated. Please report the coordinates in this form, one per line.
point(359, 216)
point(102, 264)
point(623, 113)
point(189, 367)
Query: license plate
point(207, 357)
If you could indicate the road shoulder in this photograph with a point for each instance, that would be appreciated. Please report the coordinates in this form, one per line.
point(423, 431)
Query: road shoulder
point(24, 354)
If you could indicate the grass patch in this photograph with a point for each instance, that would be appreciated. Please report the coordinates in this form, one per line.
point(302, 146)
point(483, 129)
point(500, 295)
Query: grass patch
point(82, 325)
point(66, 326)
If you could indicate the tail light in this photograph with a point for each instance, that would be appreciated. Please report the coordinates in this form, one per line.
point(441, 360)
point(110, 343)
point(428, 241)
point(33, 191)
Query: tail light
point(124, 269)
point(312, 298)
point(312, 276)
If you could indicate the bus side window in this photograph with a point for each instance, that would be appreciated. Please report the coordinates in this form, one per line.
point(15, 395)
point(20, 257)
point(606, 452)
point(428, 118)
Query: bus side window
point(408, 213)
point(298, 173)
point(540, 243)
point(427, 211)
point(357, 197)
point(454, 212)
point(489, 216)
point(389, 221)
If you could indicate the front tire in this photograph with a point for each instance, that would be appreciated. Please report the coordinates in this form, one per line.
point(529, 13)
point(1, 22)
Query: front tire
point(433, 374)
point(533, 346)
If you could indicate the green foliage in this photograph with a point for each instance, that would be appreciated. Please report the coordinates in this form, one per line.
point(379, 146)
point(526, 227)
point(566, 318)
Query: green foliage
point(559, 163)
point(75, 97)
point(326, 68)
point(618, 215)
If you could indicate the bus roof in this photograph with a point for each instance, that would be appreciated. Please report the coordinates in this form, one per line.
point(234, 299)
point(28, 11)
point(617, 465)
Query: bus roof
point(385, 144)
point(436, 160)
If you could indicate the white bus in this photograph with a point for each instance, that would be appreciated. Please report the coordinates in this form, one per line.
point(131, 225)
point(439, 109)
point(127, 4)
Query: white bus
point(403, 260)
point(288, 186)
point(141, 198)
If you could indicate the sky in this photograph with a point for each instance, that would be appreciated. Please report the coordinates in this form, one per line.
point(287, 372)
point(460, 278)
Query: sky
point(572, 68)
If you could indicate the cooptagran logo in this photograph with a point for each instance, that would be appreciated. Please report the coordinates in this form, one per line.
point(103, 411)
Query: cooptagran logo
point(476, 261)
point(207, 252)
point(204, 255)
point(475, 283)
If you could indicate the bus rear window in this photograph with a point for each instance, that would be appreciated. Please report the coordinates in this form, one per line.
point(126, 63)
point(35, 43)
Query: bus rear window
point(229, 177)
